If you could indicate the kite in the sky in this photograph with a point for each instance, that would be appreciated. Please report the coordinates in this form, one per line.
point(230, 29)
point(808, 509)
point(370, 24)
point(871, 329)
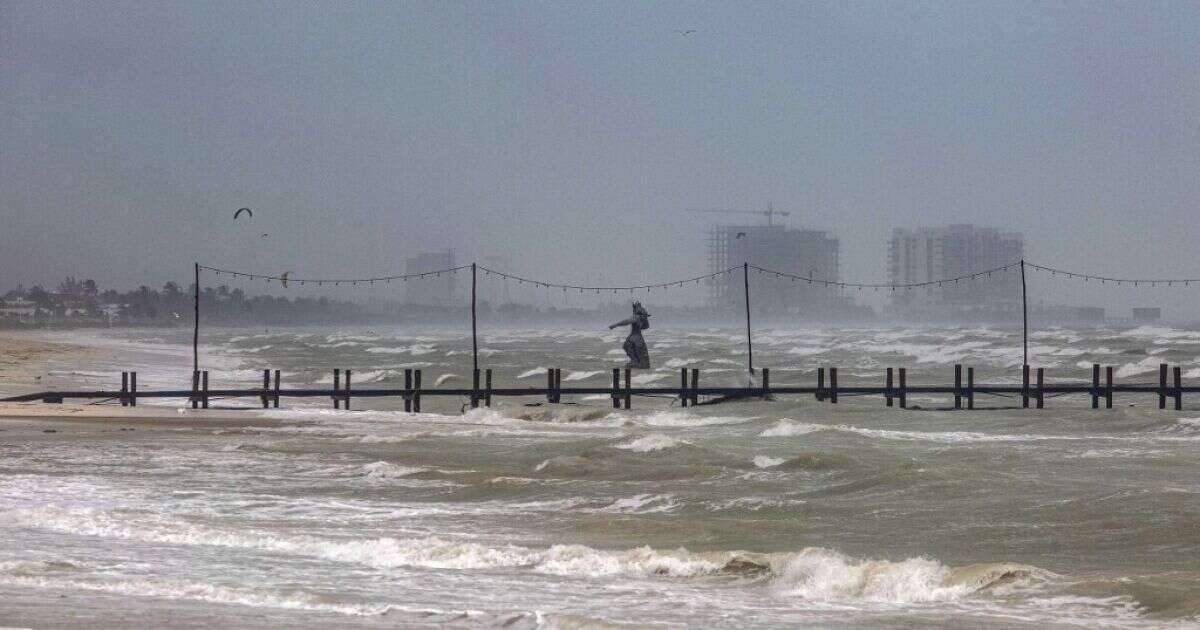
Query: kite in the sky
point(241, 210)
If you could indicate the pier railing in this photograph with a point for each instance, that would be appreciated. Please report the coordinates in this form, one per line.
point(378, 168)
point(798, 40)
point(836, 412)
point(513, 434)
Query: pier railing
point(895, 390)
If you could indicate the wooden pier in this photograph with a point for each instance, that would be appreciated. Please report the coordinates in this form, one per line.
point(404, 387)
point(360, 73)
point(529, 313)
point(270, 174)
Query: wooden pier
point(895, 389)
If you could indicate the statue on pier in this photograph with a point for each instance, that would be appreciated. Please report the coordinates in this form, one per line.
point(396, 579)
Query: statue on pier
point(635, 346)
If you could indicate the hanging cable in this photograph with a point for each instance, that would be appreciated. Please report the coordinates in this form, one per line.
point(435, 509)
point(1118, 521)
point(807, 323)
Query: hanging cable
point(869, 285)
point(255, 276)
point(1105, 279)
point(581, 288)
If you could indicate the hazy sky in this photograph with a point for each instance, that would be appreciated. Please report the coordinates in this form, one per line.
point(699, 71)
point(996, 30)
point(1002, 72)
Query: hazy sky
point(570, 137)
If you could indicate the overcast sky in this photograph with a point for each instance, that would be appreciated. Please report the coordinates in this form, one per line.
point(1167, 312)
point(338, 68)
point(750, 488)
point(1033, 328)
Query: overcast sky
point(570, 137)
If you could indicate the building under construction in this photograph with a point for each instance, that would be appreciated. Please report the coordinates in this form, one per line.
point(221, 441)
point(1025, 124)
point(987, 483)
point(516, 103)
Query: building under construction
point(810, 254)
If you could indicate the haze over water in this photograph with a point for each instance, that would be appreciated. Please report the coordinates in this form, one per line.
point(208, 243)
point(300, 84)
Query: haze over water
point(746, 514)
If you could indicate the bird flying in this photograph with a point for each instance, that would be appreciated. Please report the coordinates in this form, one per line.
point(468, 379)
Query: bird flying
point(683, 31)
point(739, 235)
point(241, 210)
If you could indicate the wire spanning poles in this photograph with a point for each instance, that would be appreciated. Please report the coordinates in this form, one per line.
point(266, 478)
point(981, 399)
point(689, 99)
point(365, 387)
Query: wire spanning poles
point(1152, 282)
point(285, 278)
point(986, 273)
point(606, 289)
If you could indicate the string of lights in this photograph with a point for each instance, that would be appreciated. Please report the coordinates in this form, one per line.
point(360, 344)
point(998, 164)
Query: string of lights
point(605, 289)
point(869, 285)
point(1153, 282)
point(285, 278)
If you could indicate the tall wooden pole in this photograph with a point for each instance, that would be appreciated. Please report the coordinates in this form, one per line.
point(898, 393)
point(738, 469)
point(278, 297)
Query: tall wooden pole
point(474, 330)
point(749, 343)
point(1024, 317)
point(196, 323)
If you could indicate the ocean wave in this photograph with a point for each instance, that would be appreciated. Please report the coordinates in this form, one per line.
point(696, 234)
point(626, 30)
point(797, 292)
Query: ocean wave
point(686, 419)
point(194, 590)
point(387, 470)
point(414, 350)
point(816, 574)
point(651, 443)
point(827, 575)
point(763, 461)
point(640, 504)
point(790, 428)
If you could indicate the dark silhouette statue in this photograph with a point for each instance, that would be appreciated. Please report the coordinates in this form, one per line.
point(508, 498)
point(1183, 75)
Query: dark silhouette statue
point(635, 346)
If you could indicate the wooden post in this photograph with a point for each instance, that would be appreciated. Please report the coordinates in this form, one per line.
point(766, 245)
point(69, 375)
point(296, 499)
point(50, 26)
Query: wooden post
point(616, 388)
point(133, 389)
point(1178, 378)
point(833, 385)
point(125, 388)
point(970, 388)
point(346, 399)
point(1095, 386)
point(416, 394)
point(958, 386)
point(887, 390)
point(195, 389)
point(487, 393)
point(550, 385)
point(766, 383)
point(337, 384)
point(749, 342)
point(1041, 384)
point(196, 322)
point(1162, 385)
point(695, 386)
point(683, 390)
point(408, 389)
point(628, 386)
point(203, 385)
point(903, 388)
point(558, 385)
point(820, 393)
point(266, 387)
point(475, 388)
point(275, 399)
point(1025, 385)
point(1108, 387)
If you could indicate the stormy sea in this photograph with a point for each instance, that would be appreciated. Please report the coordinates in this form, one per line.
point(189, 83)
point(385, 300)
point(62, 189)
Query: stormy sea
point(792, 512)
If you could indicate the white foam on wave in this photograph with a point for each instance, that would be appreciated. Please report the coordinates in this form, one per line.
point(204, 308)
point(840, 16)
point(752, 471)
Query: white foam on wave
point(827, 575)
point(530, 373)
point(198, 591)
point(414, 350)
point(651, 443)
point(387, 470)
point(646, 379)
point(786, 427)
point(686, 419)
point(763, 461)
point(811, 574)
point(640, 504)
point(581, 375)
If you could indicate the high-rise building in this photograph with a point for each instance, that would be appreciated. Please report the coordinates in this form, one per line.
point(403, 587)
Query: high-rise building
point(930, 254)
point(438, 290)
point(805, 253)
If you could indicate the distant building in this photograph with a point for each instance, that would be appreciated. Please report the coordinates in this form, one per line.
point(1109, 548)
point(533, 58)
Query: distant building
point(934, 253)
point(1147, 314)
point(805, 253)
point(18, 308)
point(433, 290)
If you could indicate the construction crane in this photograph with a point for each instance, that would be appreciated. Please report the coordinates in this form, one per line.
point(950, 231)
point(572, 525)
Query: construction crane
point(770, 212)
